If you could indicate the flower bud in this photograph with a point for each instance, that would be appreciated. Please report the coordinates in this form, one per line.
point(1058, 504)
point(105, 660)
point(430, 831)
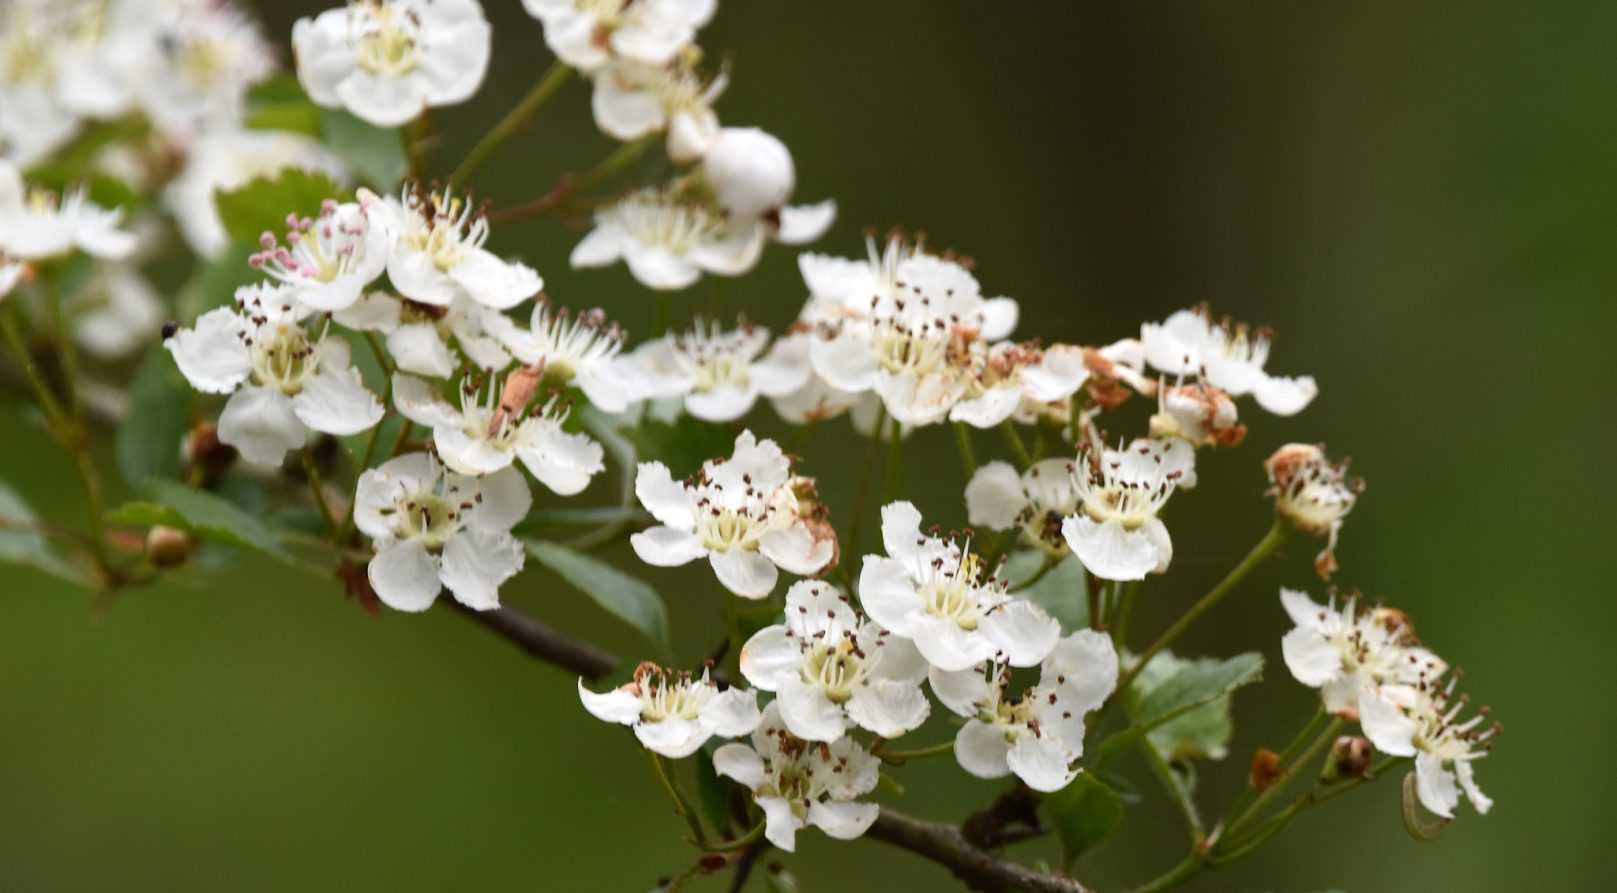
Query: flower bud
point(1350, 758)
point(750, 171)
point(168, 547)
point(1265, 769)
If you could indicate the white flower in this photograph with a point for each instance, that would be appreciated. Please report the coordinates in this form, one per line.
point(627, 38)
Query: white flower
point(34, 118)
point(587, 33)
point(719, 374)
point(1012, 376)
point(419, 335)
point(1343, 652)
point(388, 60)
point(486, 435)
point(1314, 494)
point(433, 528)
point(197, 60)
point(35, 224)
point(438, 252)
point(906, 331)
point(1199, 413)
point(815, 401)
point(799, 783)
point(1116, 532)
point(117, 313)
point(1230, 357)
point(829, 666)
point(582, 350)
point(1425, 723)
point(326, 262)
point(222, 160)
point(672, 713)
point(740, 514)
point(751, 174)
point(1036, 501)
point(282, 383)
point(633, 99)
point(669, 241)
point(944, 598)
point(1039, 735)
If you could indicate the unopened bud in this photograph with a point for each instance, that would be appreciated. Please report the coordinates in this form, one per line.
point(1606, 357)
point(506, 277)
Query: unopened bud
point(749, 171)
point(1265, 769)
point(167, 546)
point(203, 450)
point(1350, 758)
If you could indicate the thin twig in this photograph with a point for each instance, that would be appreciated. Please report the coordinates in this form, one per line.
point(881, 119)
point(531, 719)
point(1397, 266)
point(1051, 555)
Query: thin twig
point(541, 641)
point(979, 869)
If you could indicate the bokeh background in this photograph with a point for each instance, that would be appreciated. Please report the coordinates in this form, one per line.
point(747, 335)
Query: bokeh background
point(1418, 197)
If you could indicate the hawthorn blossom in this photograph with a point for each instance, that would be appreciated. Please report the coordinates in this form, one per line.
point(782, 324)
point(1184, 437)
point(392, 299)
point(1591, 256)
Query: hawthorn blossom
point(194, 62)
point(719, 375)
point(423, 338)
point(913, 342)
point(1198, 413)
point(582, 349)
point(1228, 356)
point(438, 254)
point(283, 382)
point(632, 99)
point(674, 713)
point(668, 240)
point(830, 666)
point(433, 528)
point(36, 224)
point(943, 597)
point(1116, 532)
point(1424, 722)
point(387, 61)
point(1035, 501)
point(586, 34)
point(491, 429)
point(799, 783)
point(1039, 735)
point(326, 262)
point(1347, 654)
point(740, 513)
point(117, 313)
point(1010, 376)
point(222, 160)
point(1314, 494)
point(751, 174)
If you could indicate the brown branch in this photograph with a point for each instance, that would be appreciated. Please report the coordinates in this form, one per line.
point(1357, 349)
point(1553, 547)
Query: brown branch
point(978, 869)
point(541, 641)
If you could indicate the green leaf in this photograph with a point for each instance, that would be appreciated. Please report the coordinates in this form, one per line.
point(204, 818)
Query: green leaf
point(1186, 702)
point(375, 154)
point(214, 283)
point(21, 543)
point(625, 597)
point(298, 116)
point(1062, 591)
point(209, 517)
point(148, 442)
point(682, 446)
point(1084, 814)
point(263, 204)
point(145, 514)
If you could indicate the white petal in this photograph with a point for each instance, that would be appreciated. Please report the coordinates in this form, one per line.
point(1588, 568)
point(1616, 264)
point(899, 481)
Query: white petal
point(666, 499)
point(502, 499)
point(374, 312)
point(404, 576)
point(261, 425)
point(741, 763)
point(1312, 659)
point(1041, 763)
point(1084, 667)
point(418, 278)
point(795, 550)
point(674, 738)
point(744, 572)
point(1385, 725)
point(801, 224)
point(1285, 396)
point(618, 705)
point(808, 713)
point(982, 750)
point(731, 713)
point(994, 497)
point(334, 400)
point(901, 529)
point(624, 111)
point(1468, 783)
point(470, 453)
point(888, 707)
point(604, 245)
point(946, 646)
point(476, 562)
point(847, 361)
point(964, 692)
point(323, 54)
point(843, 821)
point(665, 546)
point(1435, 785)
point(656, 267)
point(999, 318)
point(770, 656)
point(493, 282)
point(785, 368)
point(561, 460)
point(418, 348)
point(382, 100)
point(992, 407)
point(900, 659)
point(888, 594)
point(1108, 551)
point(1022, 631)
point(781, 823)
point(1303, 611)
point(212, 356)
point(722, 404)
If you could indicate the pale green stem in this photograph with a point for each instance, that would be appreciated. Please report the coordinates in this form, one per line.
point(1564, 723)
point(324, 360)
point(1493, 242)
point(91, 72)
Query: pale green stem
point(552, 80)
point(962, 442)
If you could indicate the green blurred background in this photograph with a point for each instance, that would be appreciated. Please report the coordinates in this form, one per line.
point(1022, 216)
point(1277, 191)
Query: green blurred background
point(1418, 197)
